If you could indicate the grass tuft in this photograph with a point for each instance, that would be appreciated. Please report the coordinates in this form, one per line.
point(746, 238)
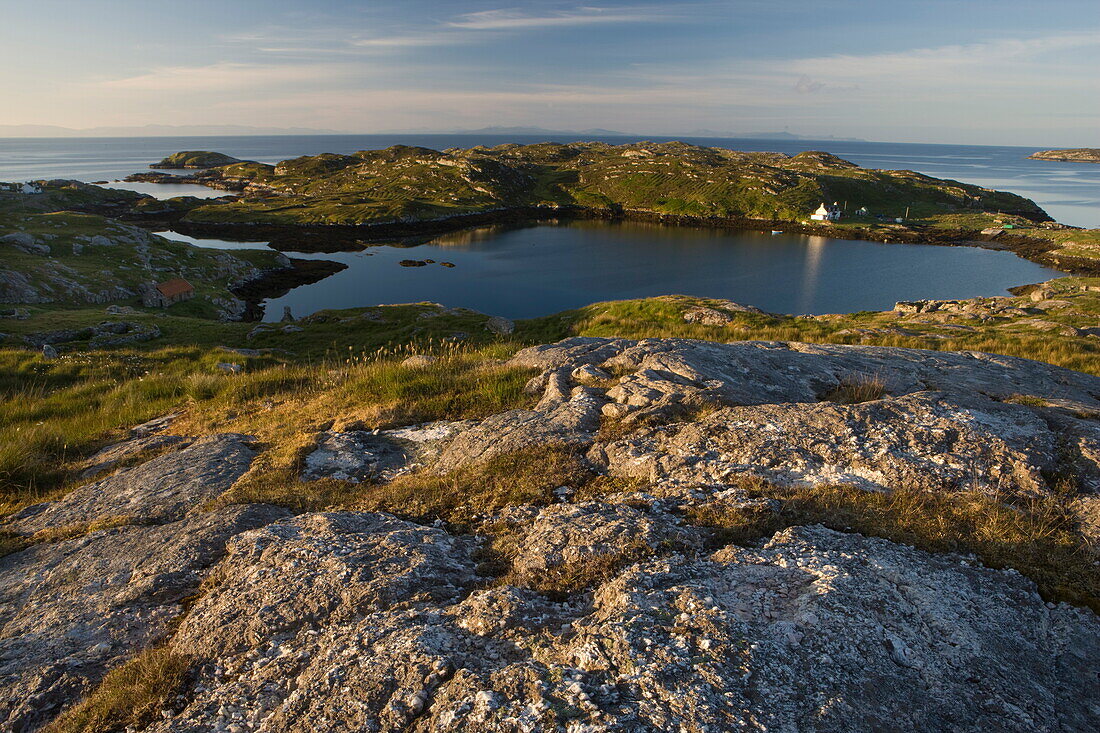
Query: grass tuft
point(856, 388)
point(471, 492)
point(128, 697)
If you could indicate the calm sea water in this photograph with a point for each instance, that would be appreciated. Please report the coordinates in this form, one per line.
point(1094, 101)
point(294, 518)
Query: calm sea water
point(1070, 192)
point(524, 272)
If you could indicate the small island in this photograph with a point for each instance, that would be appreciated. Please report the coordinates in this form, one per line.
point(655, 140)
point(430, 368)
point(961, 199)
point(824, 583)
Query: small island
point(1069, 155)
point(195, 159)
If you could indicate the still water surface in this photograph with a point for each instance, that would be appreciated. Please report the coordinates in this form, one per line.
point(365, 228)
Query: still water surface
point(537, 270)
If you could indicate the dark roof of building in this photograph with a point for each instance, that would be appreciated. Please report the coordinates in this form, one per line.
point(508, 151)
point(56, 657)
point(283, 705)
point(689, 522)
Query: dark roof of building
point(175, 286)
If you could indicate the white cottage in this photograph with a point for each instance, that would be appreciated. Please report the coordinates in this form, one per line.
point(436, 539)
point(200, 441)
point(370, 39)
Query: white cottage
point(31, 188)
point(826, 213)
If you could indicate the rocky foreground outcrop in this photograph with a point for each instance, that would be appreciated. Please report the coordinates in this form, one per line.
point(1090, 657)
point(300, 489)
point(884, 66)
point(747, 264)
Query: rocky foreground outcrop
point(352, 620)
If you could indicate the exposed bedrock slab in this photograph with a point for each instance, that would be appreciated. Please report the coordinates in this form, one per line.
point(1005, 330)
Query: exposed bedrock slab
point(364, 455)
point(944, 419)
point(72, 610)
point(344, 622)
point(161, 490)
point(771, 372)
point(112, 455)
point(923, 440)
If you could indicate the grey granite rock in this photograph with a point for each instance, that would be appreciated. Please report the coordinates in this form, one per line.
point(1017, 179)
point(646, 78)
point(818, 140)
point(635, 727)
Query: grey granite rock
point(363, 622)
point(163, 489)
point(72, 610)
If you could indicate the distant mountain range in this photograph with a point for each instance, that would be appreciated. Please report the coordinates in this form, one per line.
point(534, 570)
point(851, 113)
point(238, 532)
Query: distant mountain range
point(768, 136)
point(156, 131)
point(495, 130)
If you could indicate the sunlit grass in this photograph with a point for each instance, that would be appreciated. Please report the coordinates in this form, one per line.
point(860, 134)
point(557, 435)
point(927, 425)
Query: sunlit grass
point(1038, 536)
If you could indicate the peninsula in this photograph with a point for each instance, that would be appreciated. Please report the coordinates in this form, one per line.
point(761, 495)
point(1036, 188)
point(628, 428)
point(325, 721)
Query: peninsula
point(407, 191)
point(414, 184)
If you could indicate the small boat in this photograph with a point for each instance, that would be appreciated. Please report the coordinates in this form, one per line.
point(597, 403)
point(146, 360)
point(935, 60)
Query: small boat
point(776, 231)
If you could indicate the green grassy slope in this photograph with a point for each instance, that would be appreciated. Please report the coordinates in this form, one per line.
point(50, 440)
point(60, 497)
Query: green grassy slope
point(406, 183)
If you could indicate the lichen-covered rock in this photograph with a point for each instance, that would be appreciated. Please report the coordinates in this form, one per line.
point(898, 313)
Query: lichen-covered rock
point(725, 412)
point(500, 325)
point(112, 455)
point(163, 489)
point(354, 456)
point(72, 610)
point(381, 455)
point(924, 440)
point(772, 372)
point(323, 593)
point(348, 622)
point(509, 432)
point(577, 535)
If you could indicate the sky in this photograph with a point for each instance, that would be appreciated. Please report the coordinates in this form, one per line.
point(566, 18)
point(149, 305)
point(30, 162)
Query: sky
point(1003, 72)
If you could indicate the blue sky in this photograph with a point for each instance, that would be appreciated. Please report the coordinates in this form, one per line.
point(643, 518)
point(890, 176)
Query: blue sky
point(952, 71)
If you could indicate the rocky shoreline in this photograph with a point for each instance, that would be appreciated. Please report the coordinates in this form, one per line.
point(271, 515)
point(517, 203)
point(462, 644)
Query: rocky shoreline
point(277, 283)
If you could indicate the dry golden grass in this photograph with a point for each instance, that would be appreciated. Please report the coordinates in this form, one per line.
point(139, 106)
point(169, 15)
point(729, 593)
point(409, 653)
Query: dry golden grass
point(468, 493)
point(11, 542)
point(857, 388)
point(1038, 536)
point(368, 391)
point(461, 497)
point(129, 696)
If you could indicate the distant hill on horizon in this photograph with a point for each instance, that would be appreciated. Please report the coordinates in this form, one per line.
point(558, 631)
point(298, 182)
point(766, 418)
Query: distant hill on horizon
point(46, 131)
point(156, 131)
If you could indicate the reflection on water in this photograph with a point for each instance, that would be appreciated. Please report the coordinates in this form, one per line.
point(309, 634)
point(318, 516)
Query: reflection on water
point(537, 270)
point(811, 271)
point(213, 243)
point(170, 190)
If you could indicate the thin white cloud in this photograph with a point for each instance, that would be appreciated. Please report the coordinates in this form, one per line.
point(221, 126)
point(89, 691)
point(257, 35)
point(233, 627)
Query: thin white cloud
point(460, 29)
point(932, 61)
point(506, 19)
point(224, 77)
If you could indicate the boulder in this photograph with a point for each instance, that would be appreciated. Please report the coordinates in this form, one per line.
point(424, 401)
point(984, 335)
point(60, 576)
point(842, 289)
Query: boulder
point(26, 243)
point(500, 326)
point(417, 361)
point(354, 456)
point(707, 317)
